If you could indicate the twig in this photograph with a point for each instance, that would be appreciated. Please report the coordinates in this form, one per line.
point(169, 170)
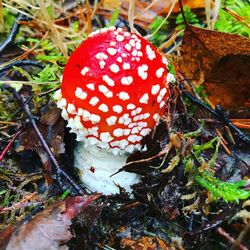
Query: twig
point(13, 33)
point(219, 113)
point(183, 13)
point(9, 145)
point(20, 64)
point(227, 236)
point(59, 172)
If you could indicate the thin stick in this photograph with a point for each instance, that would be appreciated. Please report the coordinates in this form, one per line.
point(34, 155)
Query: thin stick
point(58, 170)
point(9, 145)
point(10, 40)
point(21, 64)
point(218, 113)
point(183, 14)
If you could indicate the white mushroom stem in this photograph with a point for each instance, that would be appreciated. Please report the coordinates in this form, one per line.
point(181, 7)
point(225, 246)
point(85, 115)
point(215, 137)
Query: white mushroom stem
point(98, 166)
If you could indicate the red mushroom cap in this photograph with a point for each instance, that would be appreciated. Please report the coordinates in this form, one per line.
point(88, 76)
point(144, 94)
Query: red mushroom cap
point(114, 89)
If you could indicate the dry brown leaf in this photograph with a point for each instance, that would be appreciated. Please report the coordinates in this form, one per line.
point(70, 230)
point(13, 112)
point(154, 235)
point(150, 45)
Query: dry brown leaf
point(50, 228)
point(51, 126)
point(223, 60)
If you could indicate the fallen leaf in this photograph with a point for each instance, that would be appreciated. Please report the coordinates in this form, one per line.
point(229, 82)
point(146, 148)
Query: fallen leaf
point(50, 228)
point(222, 61)
point(51, 126)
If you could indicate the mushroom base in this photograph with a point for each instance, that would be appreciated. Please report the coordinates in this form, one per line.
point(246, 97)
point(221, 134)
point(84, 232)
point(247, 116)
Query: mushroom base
point(96, 167)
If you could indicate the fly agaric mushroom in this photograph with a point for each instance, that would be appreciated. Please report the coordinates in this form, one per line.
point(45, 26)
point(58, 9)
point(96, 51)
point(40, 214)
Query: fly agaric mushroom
point(114, 91)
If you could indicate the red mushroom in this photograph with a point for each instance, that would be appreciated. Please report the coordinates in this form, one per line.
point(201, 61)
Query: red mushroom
point(114, 90)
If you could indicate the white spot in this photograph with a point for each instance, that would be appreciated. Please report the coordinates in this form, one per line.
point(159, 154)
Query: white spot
point(159, 72)
point(165, 61)
point(136, 111)
point(124, 55)
point(103, 30)
point(123, 96)
point(118, 132)
point(146, 116)
point(144, 99)
point(80, 111)
point(134, 52)
point(93, 140)
point(114, 68)
point(120, 29)
point(161, 95)
point(155, 89)
point(102, 64)
point(86, 115)
point(106, 137)
point(101, 56)
point(94, 100)
point(112, 43)
point(71, 108)
point(112, 51)
point(80, 93)
point(119, 38)
point(119, 59)
point(94, 118)
point(139, 54)
point(123, 118)
point(126, 66)
point(108, 80)
point(127, 80)
point(156, 117)
point(132, 42)
point(143, 124)
point(126, 131)
point(145, 131)
point(64, 114)
point(117, 109)
point(62, 103)
point(77, 121)
point(103, 89)
point(123, 143)
point(111, 120)
point(127, 34)
point(112, 28)
point(135, 130)
point(150, 53)
point(84, 71)
point(138, 45)
point(162, 104)
point(93, 131)
point(127, 121)
point(83, 96)
point(142, 71)
point(103, 107)
point(58, 94)
point(129, 149)
point(94, 33)
point(90, 86)
point(128, 47)
point(130, 106)
point(134, 138)
point(170, 78)
point(132, 124)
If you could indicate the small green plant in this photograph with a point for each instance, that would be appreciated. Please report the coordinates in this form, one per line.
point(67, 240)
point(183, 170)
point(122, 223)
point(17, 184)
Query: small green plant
point(190, 17)
point(230, 192)
point(229, 24)
point(158, 38)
